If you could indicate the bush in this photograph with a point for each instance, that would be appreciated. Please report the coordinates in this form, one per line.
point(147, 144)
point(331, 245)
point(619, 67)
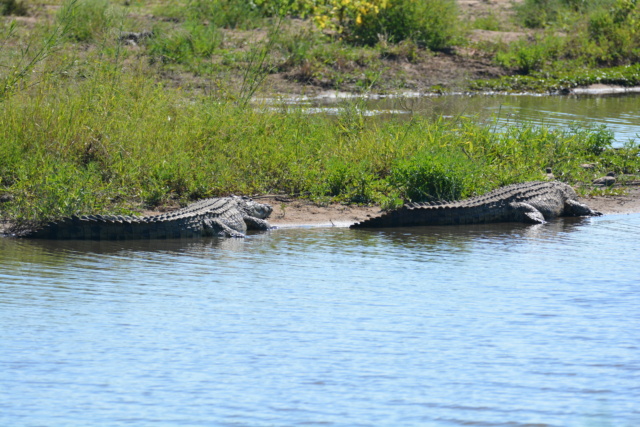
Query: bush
point(526, 56)
point(217, 13)
point(224, 13)
point(429, 177)
point(430, 23)
point(614, 34)
point(12, 7)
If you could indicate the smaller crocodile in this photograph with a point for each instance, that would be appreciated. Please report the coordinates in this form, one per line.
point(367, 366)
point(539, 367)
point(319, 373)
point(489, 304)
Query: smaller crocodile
point(222, 217)
point(530, 202)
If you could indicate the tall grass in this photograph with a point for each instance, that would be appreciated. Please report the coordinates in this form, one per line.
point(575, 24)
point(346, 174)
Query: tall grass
point(92, 147)
point(18, 66)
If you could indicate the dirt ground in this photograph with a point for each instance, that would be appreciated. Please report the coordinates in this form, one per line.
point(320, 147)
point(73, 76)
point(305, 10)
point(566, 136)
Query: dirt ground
point(624, 204)
point(300, 213)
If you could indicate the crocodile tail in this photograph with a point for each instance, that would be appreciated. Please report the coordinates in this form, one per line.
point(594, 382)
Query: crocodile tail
point(418, 215)
point(91, 227)
point(66, 228)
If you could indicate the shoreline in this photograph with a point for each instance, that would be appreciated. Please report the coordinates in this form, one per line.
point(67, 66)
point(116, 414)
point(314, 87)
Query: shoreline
point(290, 213)
point(300, 213)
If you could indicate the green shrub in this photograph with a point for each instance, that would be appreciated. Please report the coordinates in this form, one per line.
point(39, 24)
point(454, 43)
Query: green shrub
point(613, 35)
point(526, 56)
point(430, 23)
point(431, 177)
point(218, 13)
point(349, 182)
point(12, 7)
point(597, 139)
point(488, 23)
point(295, 8)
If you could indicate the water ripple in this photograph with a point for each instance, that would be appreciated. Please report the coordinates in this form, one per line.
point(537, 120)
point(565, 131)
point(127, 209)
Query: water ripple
point(480, 325)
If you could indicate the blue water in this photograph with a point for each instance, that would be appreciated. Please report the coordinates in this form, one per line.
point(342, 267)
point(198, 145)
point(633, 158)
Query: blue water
point(505, 325)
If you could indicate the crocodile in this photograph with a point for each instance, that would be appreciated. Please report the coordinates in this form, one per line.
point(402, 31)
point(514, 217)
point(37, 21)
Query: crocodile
point(221, 217)
point(531, 202)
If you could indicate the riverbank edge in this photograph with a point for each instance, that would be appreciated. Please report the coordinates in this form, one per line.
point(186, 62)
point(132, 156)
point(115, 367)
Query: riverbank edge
point(334, 96)
point(289, 212)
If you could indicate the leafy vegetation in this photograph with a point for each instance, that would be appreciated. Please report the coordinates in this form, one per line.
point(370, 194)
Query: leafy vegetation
point(577, 35)
point(429, 23)
point(92, 122)
point(97, 146)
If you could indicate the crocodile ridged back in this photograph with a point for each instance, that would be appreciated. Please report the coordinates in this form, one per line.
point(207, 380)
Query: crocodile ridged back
point(495, 206)
point(183, 223)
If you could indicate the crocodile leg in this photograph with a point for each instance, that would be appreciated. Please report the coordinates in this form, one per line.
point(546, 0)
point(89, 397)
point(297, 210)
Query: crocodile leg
point(254, 223)
point(215, 227)
point(528, 212)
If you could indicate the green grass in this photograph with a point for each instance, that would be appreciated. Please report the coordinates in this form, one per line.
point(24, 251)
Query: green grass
point(13, 7)
point(88, 125)
point(579, 38)
point(108, 144)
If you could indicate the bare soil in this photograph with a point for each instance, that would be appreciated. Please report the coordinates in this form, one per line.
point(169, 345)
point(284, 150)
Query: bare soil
point(300, 213)
point(623, 204)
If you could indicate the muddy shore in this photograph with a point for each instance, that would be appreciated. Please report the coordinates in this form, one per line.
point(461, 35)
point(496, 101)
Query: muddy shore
point(289, 212)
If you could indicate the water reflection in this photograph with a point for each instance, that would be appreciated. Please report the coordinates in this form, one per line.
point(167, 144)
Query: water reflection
point(435, 238)
point(52, 253)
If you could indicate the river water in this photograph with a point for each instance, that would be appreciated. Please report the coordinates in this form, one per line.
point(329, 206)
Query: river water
point(619, 112)
point(492, 325)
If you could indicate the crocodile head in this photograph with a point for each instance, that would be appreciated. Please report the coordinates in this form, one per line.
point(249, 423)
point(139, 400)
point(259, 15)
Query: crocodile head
point(253, 208)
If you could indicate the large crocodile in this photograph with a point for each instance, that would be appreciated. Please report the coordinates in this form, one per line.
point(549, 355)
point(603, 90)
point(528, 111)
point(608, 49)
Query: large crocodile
point(530, 202)
point(223, 217)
